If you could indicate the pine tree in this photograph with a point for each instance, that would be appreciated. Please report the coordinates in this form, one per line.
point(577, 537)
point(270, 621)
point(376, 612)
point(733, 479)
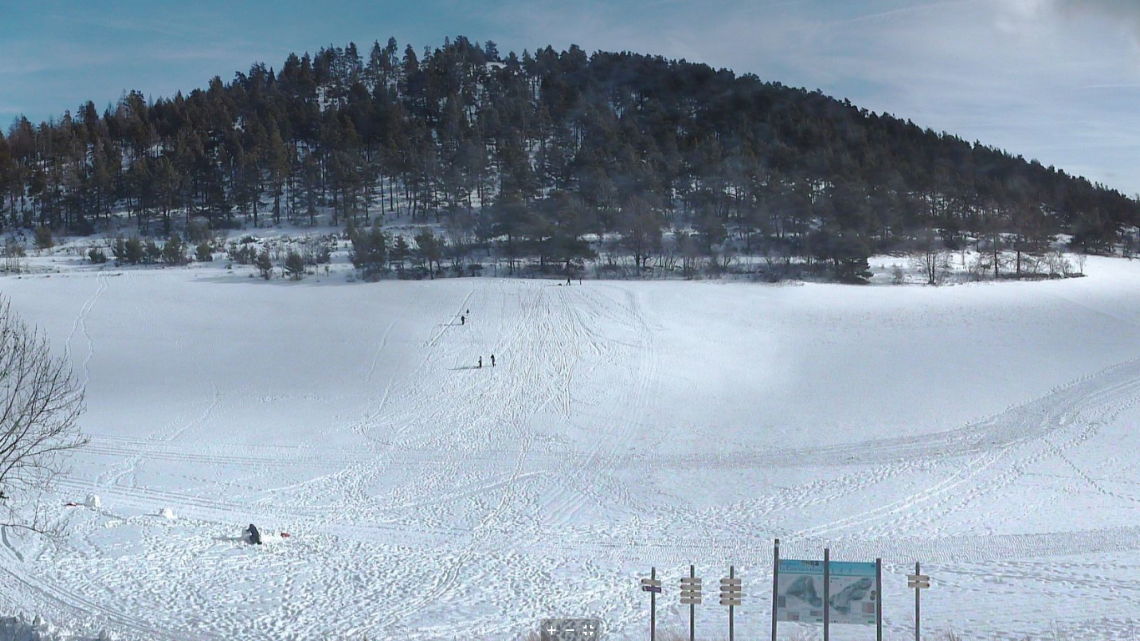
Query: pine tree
point(294, 265)
point(263, 264)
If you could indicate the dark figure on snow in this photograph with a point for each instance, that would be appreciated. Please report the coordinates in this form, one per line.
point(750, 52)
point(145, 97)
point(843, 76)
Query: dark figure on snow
point(492, 360)
point(462, 320)
point(480, 362)
point(254, 535)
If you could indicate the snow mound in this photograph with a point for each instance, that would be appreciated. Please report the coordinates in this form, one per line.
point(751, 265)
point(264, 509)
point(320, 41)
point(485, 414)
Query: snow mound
point(93, 501)
point(166, 513)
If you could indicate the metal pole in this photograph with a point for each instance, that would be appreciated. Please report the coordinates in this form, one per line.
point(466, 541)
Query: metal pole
point(917, 613)
point(731, 573)
point(775, 584)
point(692, 608)
point(879, 599)
point(652, 607)
point(826, 594)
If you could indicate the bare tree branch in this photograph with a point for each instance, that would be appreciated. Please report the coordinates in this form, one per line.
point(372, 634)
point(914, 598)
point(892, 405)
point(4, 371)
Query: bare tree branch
point(40, 405)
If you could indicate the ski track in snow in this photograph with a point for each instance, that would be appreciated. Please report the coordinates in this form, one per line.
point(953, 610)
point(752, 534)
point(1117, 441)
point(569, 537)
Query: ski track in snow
point(455, 501)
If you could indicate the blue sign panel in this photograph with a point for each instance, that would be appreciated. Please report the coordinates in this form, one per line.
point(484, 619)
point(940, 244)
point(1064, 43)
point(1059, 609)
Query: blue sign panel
point(852, 593)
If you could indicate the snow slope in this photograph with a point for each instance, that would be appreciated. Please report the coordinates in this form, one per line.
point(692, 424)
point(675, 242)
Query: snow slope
point(984, 430)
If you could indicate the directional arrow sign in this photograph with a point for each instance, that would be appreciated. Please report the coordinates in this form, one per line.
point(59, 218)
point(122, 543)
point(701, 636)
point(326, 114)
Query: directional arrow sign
point(690, 600)
point(653, 582)
point(730, 581)
point(651, 588)
point(732, 602)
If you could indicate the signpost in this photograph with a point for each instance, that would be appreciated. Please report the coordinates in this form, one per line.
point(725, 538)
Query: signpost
point(691, 596)
point(826, 593)
point(918, 582)
point(653, 587)
point(731, 594)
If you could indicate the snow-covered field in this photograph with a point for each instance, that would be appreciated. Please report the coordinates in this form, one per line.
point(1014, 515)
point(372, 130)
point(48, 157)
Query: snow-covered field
point(984, 430)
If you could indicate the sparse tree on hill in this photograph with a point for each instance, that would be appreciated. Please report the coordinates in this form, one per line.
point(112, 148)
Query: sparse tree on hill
point(430, 250)
point(369, 251)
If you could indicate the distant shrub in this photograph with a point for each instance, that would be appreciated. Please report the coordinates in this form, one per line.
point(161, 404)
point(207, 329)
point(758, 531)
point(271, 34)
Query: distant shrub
point(13, 249)
point(152, 252)
point(174, 251)
point(295, 266)
point(204, 253)
point(198, 230)
point(96, 256)
point(128, 251)
point(44, 238)
point(242, 254)
point(264, 264)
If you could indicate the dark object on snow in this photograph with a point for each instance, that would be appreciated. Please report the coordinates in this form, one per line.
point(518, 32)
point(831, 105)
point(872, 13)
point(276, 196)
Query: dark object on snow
point(254, 535)
point(492, 360)
point(462, 320)
point(480, 362)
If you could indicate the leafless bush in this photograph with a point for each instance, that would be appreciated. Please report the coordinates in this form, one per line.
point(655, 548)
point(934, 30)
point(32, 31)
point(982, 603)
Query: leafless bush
point(1058, 264)
point(40, 404)
point(12, 257)
point(933, 263)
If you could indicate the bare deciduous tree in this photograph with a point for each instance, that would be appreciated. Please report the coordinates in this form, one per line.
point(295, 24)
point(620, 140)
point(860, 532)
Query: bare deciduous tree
point(931, 258)
point(40, 404)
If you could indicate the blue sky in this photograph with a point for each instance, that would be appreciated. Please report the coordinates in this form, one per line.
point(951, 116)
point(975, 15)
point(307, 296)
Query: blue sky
point(1056, 80)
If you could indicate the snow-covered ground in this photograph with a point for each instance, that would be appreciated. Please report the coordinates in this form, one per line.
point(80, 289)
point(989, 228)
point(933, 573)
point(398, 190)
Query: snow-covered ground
point(985, 430)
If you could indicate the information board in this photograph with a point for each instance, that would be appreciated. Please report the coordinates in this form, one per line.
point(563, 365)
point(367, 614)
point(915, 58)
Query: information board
point(799, 592)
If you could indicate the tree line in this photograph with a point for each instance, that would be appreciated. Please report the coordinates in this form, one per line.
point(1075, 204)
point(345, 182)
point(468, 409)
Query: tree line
point(540, 158)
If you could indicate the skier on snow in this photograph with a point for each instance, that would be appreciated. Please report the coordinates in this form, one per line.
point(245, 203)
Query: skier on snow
point(254, 535)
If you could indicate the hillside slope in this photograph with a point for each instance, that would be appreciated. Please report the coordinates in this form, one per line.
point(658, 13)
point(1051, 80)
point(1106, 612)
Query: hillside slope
point(983, 430)
point(536, 155)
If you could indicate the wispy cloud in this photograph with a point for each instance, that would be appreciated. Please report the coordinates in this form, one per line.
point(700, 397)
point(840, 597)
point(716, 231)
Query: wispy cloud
point(1031, 76)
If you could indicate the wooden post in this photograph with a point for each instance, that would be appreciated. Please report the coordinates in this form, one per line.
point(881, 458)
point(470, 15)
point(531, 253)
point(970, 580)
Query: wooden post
point(692, 609)
point(917, 599)
point(879, 599)
point(652, 608)
point(731, 574)
point(775, 584)
point(826, 594)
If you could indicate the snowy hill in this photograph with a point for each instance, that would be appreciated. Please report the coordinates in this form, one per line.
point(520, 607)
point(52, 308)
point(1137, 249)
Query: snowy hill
point(984, 430)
